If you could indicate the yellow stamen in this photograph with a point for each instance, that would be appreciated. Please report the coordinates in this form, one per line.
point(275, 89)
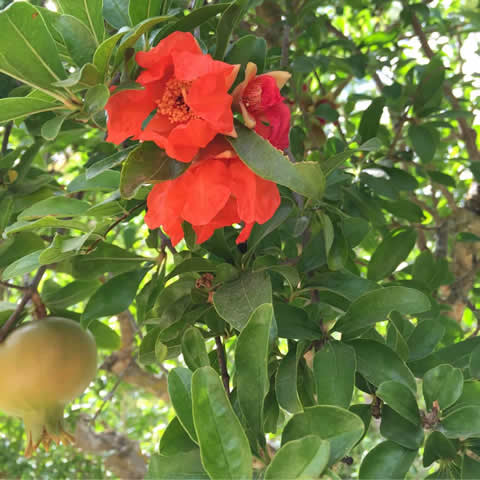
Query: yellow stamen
point(173, 102)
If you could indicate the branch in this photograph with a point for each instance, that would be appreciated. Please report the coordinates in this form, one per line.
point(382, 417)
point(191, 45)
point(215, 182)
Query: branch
point(29, 293)
point(468, 134)
point(6, 135)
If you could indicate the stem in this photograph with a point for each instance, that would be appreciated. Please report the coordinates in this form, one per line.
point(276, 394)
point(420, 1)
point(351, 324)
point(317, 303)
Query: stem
point(222, 361)
point(15, 316)
point(6, 136)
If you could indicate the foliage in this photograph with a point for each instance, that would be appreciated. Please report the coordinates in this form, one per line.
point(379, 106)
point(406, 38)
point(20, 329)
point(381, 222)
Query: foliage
point(345, 328)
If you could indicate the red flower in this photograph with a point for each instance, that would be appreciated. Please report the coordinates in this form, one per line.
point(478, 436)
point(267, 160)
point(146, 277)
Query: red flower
point(262, 107)
point(218, 190)
point(185, 90)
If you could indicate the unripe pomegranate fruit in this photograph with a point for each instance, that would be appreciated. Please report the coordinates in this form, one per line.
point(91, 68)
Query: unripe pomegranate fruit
point(44, 365)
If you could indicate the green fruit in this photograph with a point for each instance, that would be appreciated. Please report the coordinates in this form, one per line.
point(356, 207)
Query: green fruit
point(44, 365)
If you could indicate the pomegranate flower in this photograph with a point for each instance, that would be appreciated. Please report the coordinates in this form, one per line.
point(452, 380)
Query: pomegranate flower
point(184, 102)
point(258, 99)
point(218, 190)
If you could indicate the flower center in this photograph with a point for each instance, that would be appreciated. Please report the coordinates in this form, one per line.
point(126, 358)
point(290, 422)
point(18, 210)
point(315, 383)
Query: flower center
point(252, 96)
point(172, 104)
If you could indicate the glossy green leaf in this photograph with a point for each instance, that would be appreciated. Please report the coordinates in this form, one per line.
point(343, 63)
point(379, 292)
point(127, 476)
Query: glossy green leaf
point(104, 53)
point(140, 10)
point(15, 108)
point(251, 366)
point(299, 459)
point(96, 98)
point(193, 349)
point(286, 382)
point(175, 439)
point(194, 264)
point(57, 206)
point(424, 141)
point(223, 444)
point(339, 426)
point(115, 13)
point(431, 81)
point(69, 295)
point(52, 128)
point(180, 391)
point(374, 306)
point(105, 181)
point(266, 161)
point(228, 22)
point(113, 297)
point(146, 354)
point(474, 366)
point(334, 368)
point(235, 301)
point(378, 363)
point(28, 52)
point(294, 323)
point(387, 460)
point(105, 337)
point(79, 40)
point(443, 384)
point(248, 49)
point(396, 428)
point(23, 265)
point(424, 339)
point(181, 466)
point(463, 422)
point(370, 120)
point(147, 164)
point(438, 447)
point(393, 250)
point(470, 466)
point(89, 12)
point(401, 399)
point(107, 163)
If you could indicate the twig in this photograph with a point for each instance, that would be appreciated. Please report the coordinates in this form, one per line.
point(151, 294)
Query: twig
point(113, 225)
point(166, 242)
point(222, 361)
point(15, 316)
point(109, 395)
point(11, 285)
point(6, 135)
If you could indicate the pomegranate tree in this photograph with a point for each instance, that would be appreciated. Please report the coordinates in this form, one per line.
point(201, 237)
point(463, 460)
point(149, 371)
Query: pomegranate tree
point(44, 365)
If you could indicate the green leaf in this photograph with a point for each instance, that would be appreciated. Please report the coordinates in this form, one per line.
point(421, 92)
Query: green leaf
point(424, 339)
point(266, 161)
point(28, 52)
point(96, 98)
point(438, 447)
point(181, 466)
point(443, 384)
point(175, 439)
point(15, 108)
point(104, 53)
point(251, 366)
point(334, 368)
point(299, 459)
point(89, 12)
point(192, 20)
point(26, 264)
point(147, 164)
point(180, 391)
point(470, 466)
point(401, 399)
point(370, 120)
point(387, 460)
point(105, 337)
point(424, 141)
point(396, 428)
point(294, 323)
point(227, 24)
point(69, 295)
point(105, 181)
point(286, 381)
point(78, 39)
point(430, 83)
point(115, 13)
point(474, 366)
point(223, 444)
point(107, 163)
point(193, 349)
point(393, 250)
point(146, 354)
point(378, 363)
point(248, 49)
point(339, 426)
point(373, 307)
point(51, 128)
point(194, 264)
point(56, 206)
point(140, 10)
point(86, 76)
point(462, 422)
point(113, 297)
point(236, 301)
